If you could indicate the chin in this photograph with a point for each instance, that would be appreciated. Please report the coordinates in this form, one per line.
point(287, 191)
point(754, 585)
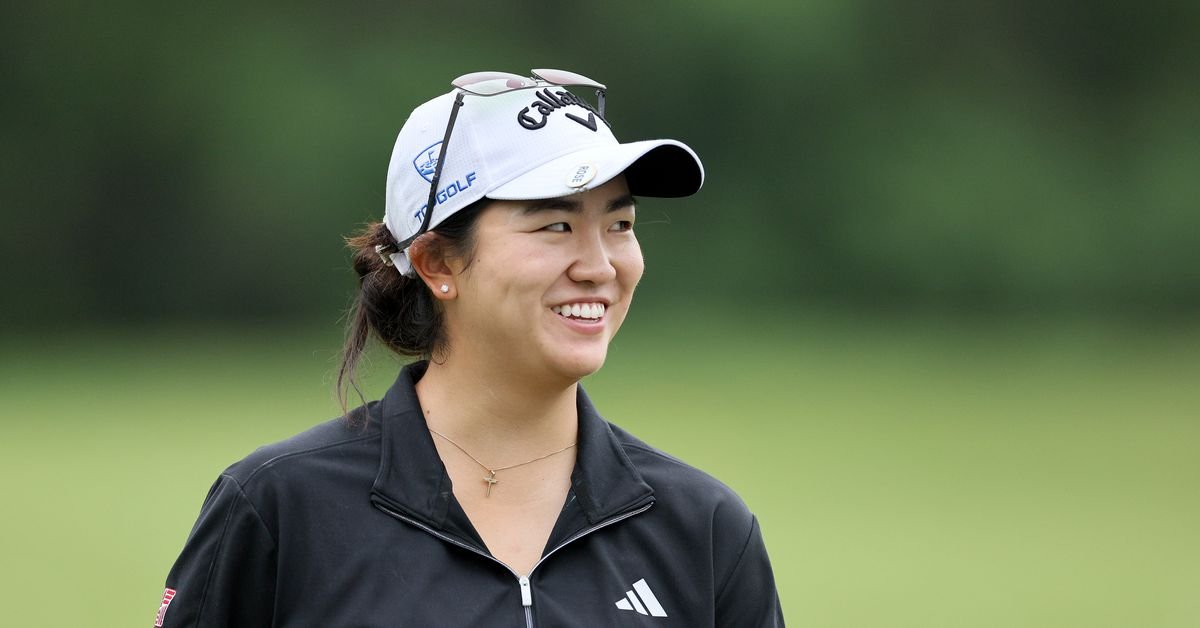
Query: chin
point(576, 367)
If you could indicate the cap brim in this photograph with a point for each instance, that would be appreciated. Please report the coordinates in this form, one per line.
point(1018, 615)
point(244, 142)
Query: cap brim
point(656, 168)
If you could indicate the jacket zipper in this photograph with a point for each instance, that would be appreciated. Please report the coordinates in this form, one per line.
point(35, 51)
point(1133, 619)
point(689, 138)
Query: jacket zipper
point(590, 530)
point(522, 581)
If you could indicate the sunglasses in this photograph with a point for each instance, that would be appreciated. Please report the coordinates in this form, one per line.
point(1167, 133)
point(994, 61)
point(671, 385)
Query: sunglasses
point(491, 84)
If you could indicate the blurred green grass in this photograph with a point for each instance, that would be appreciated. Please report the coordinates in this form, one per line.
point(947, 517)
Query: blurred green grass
point(905, 473)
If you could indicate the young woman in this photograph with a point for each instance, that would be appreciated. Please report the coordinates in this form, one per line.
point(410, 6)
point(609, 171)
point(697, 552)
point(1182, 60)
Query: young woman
point(484, 489)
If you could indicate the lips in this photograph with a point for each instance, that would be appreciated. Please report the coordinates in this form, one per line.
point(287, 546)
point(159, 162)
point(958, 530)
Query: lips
point(580, 311)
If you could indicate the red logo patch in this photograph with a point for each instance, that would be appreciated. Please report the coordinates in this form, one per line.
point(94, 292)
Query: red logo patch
point(168, 595)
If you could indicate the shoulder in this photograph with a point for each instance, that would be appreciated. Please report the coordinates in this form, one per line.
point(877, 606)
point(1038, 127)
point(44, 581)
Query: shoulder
point(708, 522)
point(664, 471)
point(335, 446)
point(684, 489)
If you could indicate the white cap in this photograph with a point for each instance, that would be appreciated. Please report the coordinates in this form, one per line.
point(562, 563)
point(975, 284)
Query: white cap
point(526, 144)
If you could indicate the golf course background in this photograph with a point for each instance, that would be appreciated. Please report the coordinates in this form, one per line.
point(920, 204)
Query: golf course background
point(905, 474)
point(935, 314)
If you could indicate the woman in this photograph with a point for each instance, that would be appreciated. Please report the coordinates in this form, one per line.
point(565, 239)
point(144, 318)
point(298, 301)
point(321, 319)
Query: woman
point(484, 489)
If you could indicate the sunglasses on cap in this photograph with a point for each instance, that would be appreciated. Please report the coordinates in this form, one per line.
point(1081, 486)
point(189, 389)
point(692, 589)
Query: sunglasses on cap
point(490, 84)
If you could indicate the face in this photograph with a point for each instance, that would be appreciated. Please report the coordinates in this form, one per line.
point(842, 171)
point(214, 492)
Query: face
point(549, 284)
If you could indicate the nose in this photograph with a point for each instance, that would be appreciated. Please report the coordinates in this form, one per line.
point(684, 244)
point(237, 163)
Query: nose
point(593, 261)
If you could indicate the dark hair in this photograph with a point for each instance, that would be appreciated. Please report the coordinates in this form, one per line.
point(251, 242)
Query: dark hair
point(398, 310)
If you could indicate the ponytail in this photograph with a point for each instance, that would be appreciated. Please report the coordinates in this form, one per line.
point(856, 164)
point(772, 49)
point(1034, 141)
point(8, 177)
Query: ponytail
point(398, 310)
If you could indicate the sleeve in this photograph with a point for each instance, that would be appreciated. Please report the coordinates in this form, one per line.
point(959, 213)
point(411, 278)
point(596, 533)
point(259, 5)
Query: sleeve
point(749, 598)
point(225, 575)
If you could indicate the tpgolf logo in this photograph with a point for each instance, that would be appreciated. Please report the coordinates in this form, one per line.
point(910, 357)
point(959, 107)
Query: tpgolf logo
point(427, 161)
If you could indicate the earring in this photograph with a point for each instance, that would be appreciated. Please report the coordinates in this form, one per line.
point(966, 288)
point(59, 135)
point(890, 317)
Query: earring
point(445, 288)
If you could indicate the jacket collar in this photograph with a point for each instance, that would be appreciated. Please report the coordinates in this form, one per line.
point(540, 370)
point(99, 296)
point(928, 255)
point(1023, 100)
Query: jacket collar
point(413, 480)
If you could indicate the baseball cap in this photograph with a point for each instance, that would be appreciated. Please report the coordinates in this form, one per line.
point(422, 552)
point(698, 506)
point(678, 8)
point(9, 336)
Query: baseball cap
point(535, 142)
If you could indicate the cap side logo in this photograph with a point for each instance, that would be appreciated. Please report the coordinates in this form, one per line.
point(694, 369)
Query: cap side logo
point(427, 160)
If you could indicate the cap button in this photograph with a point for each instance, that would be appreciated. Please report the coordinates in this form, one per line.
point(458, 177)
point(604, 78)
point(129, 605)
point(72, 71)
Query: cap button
point(581, 175)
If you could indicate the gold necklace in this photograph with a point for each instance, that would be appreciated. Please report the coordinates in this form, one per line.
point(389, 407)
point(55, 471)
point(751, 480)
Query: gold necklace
point(491, 479)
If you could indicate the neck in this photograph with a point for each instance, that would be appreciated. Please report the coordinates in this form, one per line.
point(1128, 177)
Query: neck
point(495, 415)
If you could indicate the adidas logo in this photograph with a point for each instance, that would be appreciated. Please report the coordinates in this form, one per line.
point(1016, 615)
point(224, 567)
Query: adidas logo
point(643, 601)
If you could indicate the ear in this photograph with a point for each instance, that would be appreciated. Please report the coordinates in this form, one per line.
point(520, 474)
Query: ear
point(432, 266)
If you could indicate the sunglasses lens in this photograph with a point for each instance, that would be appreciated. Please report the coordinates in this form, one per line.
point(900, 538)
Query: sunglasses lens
point(489, 83)
point(478, 77)
point(563, 77)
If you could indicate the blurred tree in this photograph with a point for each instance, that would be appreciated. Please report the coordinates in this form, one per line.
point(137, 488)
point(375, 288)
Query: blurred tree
point(201, 161)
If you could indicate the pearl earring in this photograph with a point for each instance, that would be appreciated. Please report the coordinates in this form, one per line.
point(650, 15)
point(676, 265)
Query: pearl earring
point(445, 288)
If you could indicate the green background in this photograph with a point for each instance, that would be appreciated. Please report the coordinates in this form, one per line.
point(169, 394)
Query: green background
point(933, 315)
point(904, 474)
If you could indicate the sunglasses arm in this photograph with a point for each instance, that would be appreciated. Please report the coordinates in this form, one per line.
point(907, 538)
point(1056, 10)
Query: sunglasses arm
point(437, 175)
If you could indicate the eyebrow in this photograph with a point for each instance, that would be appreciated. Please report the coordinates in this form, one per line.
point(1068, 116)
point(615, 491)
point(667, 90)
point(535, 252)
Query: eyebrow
point(569, 204)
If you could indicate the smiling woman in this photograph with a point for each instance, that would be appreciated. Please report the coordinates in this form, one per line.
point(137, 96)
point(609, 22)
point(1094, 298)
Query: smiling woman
point(484, 489)
point(530, 259)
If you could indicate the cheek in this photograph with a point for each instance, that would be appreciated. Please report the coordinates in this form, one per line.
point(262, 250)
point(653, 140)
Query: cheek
point(630, 265)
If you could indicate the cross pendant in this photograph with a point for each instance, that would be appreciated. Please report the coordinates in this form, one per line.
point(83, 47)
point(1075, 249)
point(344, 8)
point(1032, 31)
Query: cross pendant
point(491, 481)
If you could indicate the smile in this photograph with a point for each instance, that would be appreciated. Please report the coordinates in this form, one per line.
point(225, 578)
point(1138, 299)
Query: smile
point(591, 311)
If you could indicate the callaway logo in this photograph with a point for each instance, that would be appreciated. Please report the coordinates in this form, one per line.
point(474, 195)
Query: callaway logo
point(545, 105)
point(642, 600)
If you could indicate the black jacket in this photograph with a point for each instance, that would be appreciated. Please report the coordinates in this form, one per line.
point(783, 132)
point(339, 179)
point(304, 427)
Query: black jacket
point(346, 526)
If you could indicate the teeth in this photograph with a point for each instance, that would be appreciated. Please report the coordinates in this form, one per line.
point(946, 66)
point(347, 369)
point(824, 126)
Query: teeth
point(580, 310)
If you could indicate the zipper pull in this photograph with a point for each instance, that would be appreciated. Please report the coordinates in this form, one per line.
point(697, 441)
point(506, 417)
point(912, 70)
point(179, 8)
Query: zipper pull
point(526, 592)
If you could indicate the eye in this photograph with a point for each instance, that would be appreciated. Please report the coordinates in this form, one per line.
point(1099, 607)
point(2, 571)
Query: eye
point(622, 226)
point(559, 227)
